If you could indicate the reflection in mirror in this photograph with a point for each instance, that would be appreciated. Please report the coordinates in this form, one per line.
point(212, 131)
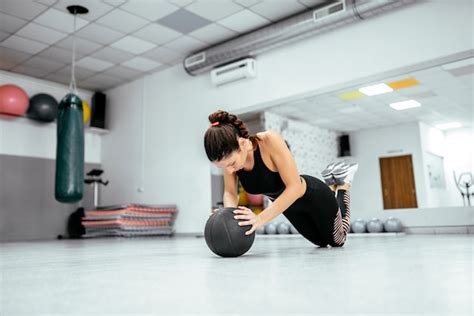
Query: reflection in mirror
point(412, 135)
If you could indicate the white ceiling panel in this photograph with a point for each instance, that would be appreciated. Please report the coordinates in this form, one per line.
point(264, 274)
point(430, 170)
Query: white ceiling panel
point(30, 71)
point(244, 21)
point(133, 45)
point(23, 44)
point(185, 44)
point(122, 72)
point(115, 3)
point(80, 73)
point(122, 21)
point(46, 2)
point(274, 11)
point(414, 90)
point(247, 3)
point(11, 57)
point(214, 10)
point(40, 33)
point(213, 33)
point(93, 63)
point(3, 35)
point(181, 3)
point(10, 24)
point(157, 34)
point(61, 21)
point(58, 54)
point(141, 63)
point(150, 10)
point(99, 34)
point(60, 78)
point(113, 55)
point(163, 55)
point(161, 68)
point(83, 46)
point(26, 10)
point(43, 63)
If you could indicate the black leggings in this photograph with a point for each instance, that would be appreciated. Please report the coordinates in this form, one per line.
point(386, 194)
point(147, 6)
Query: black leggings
point(319, 216)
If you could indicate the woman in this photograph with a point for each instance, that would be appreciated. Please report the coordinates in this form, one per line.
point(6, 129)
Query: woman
point(264, 165)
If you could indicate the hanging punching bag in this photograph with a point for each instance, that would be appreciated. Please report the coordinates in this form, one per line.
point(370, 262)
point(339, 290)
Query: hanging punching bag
point(70, 150)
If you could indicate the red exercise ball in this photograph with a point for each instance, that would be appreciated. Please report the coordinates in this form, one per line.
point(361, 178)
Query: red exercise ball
point(255, 199)
point(13, 100)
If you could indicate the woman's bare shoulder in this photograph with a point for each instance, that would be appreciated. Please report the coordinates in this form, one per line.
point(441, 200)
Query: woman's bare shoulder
point(268, 137)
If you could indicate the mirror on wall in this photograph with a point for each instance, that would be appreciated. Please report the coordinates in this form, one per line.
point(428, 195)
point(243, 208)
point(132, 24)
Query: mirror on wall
point(411, 133)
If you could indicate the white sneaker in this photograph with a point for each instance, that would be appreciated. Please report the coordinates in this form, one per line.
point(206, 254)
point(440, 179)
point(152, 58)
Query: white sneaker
point(327, 173)
point(345, 174)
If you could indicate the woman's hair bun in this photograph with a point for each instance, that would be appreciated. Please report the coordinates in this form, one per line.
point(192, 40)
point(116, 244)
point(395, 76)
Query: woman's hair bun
point(224, 117)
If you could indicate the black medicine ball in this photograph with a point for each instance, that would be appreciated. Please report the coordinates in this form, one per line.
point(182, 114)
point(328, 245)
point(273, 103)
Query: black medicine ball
point(224, 236)
point(43, 107)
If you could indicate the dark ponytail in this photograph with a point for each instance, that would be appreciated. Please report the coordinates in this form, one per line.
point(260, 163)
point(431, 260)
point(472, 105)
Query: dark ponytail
point(221, 138)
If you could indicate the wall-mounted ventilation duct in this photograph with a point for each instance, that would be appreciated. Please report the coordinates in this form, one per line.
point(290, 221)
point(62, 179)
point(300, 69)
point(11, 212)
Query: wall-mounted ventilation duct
point(326, 16)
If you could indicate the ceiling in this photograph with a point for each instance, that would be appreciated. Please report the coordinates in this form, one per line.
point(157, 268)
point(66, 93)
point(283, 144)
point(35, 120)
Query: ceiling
point(119, 40)
point(445, 93)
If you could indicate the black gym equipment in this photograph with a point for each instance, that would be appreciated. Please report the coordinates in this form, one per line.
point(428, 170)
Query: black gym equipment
point(95, 180)
point(224, 236)
point(75, 229)
point(69, 186)
point(43, 107)
point(464, 184)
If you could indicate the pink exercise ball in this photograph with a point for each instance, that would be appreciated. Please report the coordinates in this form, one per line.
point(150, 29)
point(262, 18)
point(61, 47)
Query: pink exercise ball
point(255, 199)
point(13, 100)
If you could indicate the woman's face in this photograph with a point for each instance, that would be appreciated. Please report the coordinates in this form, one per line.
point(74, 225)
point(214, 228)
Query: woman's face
point(236, 160)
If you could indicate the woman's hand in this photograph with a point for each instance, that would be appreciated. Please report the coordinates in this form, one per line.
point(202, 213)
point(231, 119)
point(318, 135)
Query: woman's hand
point(246, 217)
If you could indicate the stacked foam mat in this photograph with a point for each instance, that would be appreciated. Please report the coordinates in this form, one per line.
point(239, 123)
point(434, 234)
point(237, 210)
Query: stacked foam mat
point(130, 220)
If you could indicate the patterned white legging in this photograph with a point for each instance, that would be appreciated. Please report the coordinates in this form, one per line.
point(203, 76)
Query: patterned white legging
point(342, 222)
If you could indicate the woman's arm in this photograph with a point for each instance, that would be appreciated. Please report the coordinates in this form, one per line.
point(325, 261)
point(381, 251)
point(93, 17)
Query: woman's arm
point(286, 166)
point(230, 197)
point(294, 187)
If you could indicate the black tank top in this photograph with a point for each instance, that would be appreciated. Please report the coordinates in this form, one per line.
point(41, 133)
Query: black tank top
point(261, 180)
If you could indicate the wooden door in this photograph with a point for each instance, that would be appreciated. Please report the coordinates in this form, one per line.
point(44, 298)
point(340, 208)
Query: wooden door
point(398, 182)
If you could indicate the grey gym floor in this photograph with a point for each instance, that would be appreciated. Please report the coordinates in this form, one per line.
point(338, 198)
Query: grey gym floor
point(405, 274)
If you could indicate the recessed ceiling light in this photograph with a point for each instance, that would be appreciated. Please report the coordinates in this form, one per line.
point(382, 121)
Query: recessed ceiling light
point(403, 105)
point(448, 125)
point(405, 83)
point(351, 95)
point(376, 89)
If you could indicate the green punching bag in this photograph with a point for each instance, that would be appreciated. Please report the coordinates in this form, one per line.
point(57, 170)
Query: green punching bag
point(70, 150)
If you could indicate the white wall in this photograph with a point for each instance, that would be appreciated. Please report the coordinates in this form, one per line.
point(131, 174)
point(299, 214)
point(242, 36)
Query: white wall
point(433, 143)
point(177, 105)
point(121, 148)
point(367, 146)
point(456, 147)
point(21, 136)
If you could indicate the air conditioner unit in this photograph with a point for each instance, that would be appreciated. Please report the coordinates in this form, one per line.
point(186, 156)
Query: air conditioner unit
point(239, 70)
